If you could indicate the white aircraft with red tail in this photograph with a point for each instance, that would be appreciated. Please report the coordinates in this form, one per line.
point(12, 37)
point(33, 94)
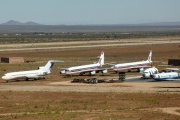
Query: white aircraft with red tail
point(133, 65)
point(90, 68)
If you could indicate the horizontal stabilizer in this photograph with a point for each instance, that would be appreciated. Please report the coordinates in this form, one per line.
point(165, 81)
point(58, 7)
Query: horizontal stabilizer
point(113, 63)
point(62, 68)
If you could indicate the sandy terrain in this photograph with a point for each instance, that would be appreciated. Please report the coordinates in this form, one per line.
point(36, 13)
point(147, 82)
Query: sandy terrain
point(67, 86)
point(58, 98)
point(86, 44)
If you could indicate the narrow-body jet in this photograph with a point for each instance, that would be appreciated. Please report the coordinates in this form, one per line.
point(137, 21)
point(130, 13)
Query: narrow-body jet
point(31, 74)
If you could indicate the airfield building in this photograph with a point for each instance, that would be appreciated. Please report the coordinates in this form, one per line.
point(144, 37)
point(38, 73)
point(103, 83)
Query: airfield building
point(174, 62)
point(12, 60)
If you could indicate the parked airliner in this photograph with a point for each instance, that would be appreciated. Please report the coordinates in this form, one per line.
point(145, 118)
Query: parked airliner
point(149, 72)
point(133, 65)
point(168, 75)
point(32, 74)
point(90, 68)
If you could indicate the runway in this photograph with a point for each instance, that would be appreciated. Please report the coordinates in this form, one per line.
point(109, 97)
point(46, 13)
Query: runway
point(83, 44)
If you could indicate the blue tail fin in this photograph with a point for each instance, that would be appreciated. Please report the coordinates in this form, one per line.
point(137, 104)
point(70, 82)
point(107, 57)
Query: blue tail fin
point(47, 68)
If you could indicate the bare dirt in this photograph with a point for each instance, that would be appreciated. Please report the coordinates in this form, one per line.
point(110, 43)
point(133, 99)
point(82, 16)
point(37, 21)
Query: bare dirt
point(58, 98)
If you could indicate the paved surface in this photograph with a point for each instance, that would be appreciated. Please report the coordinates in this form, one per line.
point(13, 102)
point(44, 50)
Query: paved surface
point(139, 79)
point(83, 44)
point(130, 85)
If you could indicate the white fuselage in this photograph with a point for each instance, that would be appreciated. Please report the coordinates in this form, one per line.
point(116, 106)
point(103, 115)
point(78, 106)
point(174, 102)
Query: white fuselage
point(91, 68)
point(148, 73)
point(167, 76)
point(133, 65)
point(82, 68)
point(32, 74)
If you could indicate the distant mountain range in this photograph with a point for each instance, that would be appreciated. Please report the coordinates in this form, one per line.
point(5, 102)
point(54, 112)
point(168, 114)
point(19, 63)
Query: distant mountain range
point(162, 23)
point(13, 22)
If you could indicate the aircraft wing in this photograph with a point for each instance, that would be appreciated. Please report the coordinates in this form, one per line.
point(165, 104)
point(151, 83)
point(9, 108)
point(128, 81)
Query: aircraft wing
point(173, 69)
point(144, 66)
point(56, 61)
point(128, 68)
point(93, 71)
point(30, 77)
point(165, 65)
point(19, 77)
point(63, 68)
point(112, 63)
point(102, 69)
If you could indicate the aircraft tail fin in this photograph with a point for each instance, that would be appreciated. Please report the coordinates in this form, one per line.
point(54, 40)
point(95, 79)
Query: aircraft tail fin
point(149, 57)
point(101, 59)
point(47, 68)
point(141, 70)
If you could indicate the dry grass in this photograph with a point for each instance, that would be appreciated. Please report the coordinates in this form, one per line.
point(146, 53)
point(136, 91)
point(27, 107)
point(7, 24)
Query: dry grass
point(73, 105)
point(81, 105)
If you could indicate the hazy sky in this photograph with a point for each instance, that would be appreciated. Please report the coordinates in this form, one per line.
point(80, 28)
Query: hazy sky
point(72, 12)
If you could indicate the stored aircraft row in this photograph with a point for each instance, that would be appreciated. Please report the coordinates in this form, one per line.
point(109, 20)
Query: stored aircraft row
point(97, 67)
point(91, 69)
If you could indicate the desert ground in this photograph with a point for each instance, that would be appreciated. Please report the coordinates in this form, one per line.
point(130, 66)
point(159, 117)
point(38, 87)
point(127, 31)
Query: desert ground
point(57, 98)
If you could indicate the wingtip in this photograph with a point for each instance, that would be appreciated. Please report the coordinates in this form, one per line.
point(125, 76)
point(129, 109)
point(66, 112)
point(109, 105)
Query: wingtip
point(56, 61)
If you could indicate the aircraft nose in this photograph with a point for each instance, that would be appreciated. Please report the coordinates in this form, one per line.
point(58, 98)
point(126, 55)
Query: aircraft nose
point(4, 77)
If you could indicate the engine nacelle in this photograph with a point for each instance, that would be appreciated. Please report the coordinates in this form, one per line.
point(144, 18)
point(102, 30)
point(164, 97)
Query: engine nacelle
point(63, 72)
point(92, 72)
point(44, 73)
point(105, 71)
point(40, 67)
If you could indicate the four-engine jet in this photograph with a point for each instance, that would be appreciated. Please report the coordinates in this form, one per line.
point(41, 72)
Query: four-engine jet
point(133, 65)
point(90, 68)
